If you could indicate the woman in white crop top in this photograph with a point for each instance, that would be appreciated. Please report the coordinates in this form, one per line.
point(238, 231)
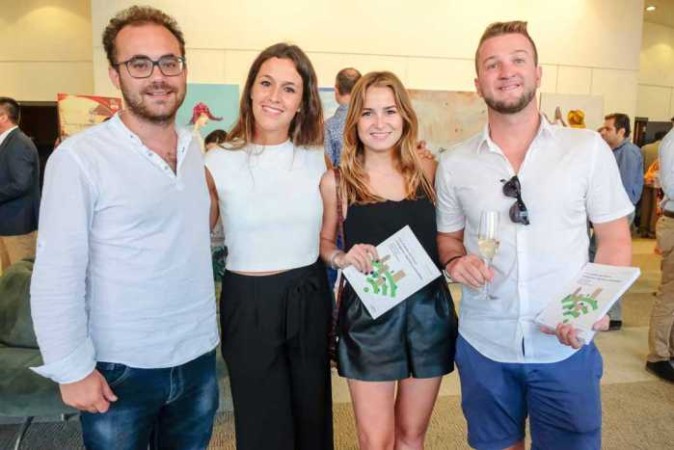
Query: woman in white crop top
point(275, 307)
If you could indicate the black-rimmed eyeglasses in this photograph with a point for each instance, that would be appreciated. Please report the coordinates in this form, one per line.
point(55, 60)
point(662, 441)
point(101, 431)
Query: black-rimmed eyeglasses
point(518, 211)
point(142, 66)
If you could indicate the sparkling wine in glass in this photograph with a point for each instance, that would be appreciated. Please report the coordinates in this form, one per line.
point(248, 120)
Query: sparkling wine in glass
point(487, 241)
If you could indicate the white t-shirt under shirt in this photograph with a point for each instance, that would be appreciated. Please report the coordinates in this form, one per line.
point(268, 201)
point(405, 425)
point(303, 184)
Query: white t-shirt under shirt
point(568, 176)
point(270, 204)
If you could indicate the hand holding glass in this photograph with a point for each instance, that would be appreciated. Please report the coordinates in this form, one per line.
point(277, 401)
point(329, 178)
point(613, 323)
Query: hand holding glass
point(487, 241)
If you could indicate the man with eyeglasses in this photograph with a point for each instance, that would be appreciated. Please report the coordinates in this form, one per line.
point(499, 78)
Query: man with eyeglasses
point(544, 182)
point(122, 292)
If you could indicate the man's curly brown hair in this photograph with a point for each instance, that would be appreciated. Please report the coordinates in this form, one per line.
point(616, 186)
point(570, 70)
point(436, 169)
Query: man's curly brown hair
point(135, 16)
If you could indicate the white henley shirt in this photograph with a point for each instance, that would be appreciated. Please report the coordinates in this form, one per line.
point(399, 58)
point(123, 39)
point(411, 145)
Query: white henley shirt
point(123, 269)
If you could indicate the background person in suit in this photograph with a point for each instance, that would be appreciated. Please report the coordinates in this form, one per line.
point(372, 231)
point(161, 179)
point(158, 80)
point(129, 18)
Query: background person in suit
point(19, 187)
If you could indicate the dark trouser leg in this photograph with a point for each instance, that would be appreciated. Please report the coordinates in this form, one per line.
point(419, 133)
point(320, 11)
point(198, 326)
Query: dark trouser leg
point(308, 320)
point(253, 348)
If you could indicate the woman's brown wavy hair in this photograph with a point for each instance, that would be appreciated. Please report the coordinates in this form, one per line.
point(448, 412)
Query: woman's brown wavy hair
point(306, 128)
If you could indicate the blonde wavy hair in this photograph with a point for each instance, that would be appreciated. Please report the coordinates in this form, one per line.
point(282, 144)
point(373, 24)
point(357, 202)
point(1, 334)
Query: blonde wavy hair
point(354, 176)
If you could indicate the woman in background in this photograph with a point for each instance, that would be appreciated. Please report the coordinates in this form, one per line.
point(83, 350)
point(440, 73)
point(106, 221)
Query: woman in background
point(393, 363)
point(215, 138)
point(275, 306)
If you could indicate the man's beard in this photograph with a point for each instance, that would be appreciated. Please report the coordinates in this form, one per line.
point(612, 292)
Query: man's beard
point(511, 108)
point(134, 104)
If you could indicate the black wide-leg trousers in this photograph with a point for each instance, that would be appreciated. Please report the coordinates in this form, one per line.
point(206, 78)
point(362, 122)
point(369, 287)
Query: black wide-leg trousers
point(275, 343)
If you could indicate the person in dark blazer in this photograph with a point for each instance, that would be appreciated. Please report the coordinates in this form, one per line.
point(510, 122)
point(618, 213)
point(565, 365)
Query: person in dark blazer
point(19, 187)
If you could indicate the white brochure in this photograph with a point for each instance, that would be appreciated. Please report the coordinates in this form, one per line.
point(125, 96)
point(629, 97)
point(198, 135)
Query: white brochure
point(588, 297)
point(403, 268)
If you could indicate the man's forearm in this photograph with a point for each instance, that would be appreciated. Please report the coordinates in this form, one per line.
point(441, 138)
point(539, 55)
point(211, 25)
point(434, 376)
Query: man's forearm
point(450, 246)
point(614, 254)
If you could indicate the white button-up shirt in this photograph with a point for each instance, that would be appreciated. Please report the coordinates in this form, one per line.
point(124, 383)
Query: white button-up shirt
point(123, 271)
point(568, 177)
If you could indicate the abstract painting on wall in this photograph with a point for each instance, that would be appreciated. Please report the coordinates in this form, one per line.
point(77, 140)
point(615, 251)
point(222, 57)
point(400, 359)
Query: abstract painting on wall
point(78, 112)
point(208, 107)
point(447, 117)
point(592, 108)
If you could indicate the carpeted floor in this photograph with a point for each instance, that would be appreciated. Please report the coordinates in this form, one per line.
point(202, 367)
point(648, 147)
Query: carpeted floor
point(636, 416)
point(638, 409)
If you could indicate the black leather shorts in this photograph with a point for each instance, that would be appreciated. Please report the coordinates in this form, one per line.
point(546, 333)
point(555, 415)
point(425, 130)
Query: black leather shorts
point(416, 338)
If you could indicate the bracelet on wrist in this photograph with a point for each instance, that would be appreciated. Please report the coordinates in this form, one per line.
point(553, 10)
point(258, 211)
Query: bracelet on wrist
point(444, 266)
point(331, 261)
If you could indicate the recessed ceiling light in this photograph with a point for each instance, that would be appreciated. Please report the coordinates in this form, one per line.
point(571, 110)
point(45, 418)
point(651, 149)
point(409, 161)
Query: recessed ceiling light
point(650, 8)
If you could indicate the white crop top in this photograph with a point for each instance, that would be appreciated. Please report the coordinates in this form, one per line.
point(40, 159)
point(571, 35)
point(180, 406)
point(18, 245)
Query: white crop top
point(270, 204)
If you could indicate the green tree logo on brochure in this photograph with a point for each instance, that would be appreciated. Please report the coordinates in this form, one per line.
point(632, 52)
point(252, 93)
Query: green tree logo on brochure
point(382, 281)
point(577, 304)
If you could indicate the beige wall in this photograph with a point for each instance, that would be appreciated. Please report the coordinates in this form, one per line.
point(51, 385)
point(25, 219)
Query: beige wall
point(656, 77)
point(586, 46)
point(45, 48)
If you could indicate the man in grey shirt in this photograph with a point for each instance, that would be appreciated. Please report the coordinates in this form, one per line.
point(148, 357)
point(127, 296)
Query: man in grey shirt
point(122, 294)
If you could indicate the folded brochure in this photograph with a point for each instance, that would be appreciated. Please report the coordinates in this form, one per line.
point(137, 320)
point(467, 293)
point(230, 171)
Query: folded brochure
point(403, 268)
point(587, 298)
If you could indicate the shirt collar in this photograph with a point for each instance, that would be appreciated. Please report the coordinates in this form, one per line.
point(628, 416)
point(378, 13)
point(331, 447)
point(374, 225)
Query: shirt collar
point(545, 130)
point(622, 144)
point(184, 135)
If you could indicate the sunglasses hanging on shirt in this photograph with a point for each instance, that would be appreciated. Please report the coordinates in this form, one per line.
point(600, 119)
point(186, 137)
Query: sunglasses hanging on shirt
point(518, 211)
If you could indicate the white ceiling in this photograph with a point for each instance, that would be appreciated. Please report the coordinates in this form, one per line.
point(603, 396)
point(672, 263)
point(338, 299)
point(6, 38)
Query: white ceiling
point(663, 14)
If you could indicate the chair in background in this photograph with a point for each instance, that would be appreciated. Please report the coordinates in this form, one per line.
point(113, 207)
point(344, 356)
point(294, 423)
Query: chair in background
point(23, 393)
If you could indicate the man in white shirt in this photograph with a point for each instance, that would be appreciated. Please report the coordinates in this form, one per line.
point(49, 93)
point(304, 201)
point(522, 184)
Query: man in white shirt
point(544, 182)
point(122, 292)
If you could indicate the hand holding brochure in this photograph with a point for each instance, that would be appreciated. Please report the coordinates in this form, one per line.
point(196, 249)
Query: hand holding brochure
point(403, 268)
point(588, 297)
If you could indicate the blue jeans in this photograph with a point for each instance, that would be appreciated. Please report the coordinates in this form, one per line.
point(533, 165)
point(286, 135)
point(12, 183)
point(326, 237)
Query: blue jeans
point(169, 408)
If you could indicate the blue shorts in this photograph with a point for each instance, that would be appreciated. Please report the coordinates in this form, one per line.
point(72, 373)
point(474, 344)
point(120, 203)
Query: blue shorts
point(562, 400)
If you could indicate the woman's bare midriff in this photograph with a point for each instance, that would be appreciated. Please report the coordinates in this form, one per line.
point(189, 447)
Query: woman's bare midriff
point(258, 274)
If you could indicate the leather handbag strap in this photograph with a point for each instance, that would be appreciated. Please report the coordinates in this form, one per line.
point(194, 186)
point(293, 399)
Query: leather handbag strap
point(340, 224)
point(340, 205)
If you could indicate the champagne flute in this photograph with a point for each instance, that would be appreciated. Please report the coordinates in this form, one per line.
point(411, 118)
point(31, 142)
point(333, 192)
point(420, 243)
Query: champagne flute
point(487, 241)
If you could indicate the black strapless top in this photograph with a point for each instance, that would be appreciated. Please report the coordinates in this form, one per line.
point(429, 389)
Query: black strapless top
point(374, 222)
